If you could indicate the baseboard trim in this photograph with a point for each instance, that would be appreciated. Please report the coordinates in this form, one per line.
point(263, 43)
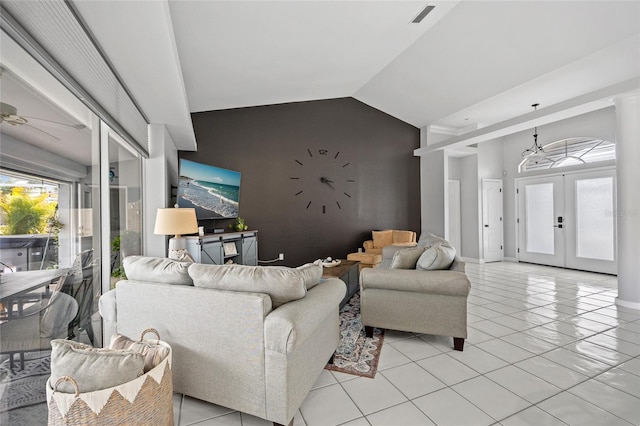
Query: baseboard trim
point(510, 259)
point(472, 260)
point(626, 304)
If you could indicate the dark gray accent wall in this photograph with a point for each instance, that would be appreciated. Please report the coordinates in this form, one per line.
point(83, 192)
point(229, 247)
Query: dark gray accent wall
point(362, 144)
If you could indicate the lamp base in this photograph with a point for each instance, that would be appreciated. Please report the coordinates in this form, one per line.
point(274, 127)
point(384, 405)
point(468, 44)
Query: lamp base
point(178, 250)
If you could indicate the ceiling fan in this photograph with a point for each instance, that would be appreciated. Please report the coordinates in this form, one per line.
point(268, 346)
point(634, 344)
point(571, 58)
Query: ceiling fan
point(9, 115)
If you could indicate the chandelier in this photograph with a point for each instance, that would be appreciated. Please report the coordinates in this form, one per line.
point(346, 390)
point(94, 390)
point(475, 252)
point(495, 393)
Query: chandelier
point(536, 149)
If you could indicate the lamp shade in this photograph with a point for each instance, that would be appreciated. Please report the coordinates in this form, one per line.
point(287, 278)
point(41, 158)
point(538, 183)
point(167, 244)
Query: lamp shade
point(176, 221)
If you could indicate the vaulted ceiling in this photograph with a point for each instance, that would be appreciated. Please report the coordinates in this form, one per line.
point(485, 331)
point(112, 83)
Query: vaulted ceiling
point(467, 65)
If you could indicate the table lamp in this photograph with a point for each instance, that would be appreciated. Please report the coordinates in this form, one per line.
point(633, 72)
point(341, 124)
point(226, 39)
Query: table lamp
point(176, 221)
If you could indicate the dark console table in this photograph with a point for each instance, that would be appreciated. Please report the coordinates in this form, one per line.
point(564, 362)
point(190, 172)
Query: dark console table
point(348, 272)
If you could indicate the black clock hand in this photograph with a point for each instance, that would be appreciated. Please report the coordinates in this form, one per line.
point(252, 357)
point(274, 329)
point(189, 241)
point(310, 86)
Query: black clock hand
point(327, 182)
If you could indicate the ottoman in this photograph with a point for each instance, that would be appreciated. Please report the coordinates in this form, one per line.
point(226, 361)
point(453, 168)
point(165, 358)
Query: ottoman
point(367, 260)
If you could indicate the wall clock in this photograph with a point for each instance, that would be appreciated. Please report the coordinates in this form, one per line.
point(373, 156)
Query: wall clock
point(323, 180)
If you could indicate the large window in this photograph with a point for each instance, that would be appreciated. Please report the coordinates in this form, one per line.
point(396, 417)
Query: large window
point(70, 209)
point(569, 152)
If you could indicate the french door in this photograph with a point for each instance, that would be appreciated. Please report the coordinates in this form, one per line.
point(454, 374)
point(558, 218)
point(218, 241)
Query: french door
point(568, 221)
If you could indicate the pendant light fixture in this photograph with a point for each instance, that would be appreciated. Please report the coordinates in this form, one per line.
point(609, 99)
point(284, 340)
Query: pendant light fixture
point(536, 149)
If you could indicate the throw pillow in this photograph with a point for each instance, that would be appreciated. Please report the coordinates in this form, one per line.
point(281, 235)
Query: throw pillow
point(382, 238)
point(157, 269)
point(282, 284)
point(406, 258)
point(311, 274)
point(153, 354)
point(92, 368)
point(437, 257)
point(428, 239)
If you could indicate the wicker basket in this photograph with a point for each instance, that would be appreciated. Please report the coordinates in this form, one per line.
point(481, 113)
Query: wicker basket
point(146, 400)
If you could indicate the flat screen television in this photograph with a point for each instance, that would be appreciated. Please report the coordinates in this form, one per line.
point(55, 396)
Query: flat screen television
point(213, 191)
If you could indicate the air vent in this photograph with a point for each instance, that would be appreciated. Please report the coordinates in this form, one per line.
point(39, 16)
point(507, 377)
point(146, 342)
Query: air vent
point(422, 14)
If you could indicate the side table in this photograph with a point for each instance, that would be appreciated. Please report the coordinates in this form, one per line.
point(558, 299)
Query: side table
point(348, 272)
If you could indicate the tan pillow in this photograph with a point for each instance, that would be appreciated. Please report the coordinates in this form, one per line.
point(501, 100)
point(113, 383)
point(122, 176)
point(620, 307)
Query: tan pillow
point(157, 269)
point(93, 369)
point(311, 274)
point(382, 238)
point(282, 284)
point(153, 354)
point(402, 237)
point(437, 257)
point(406, 258)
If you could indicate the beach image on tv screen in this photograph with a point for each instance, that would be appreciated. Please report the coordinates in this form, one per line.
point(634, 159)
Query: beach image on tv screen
point(213, 191)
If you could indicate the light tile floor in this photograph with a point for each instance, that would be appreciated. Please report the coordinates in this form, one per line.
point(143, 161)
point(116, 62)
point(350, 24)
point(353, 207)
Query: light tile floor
point(546, 346)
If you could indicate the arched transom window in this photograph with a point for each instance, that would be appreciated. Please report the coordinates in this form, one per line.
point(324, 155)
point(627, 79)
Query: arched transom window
point(569, 152)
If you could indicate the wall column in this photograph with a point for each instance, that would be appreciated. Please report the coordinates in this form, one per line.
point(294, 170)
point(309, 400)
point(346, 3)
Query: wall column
point(156, 187)
point(628, 203)
point(433, 192)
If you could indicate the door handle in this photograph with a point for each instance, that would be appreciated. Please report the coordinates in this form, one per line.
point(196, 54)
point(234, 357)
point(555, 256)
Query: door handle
point(558, 226)
point(486, 226)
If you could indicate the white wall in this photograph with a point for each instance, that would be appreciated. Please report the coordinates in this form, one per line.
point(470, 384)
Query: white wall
point(597, 124)
point(433, 191)
point(469, 205)
point(160, 171)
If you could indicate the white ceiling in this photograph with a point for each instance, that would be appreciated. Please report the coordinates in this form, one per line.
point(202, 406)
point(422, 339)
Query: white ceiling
point(469, 64)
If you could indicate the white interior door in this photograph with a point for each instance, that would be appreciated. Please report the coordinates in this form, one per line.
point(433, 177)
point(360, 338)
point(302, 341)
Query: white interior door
point(540, 220)
point(492, 232)
point(454, 224)
point(591, 232)
point(569, 221)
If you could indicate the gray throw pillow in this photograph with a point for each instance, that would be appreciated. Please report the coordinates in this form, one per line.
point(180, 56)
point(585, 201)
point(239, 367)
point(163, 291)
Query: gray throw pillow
point(93, 369)
point(428, 240)
point(437, 257)
point(311, 273)
point(157, 269)
point(282, 284)
point(406, 258)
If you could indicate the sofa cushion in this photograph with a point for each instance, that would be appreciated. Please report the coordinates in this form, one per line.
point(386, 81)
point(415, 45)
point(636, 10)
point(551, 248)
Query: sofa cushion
point(382, 238)
point(439, 256)
point(403, 237)
point(153, 353)
point(406, 258)
point(311, 273)
point(93, 369)
point(282, 284)
point(157, 269)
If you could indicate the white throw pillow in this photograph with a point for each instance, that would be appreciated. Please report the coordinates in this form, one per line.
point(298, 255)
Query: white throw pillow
point(282, 284)
point(437, 257)
point(406, 258)
point(93, 369)
point(157, 269)
point(311, 273)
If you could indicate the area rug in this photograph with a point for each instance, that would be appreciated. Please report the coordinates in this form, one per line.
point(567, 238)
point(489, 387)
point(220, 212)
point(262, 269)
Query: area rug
point(356, 354)
point(21, 388)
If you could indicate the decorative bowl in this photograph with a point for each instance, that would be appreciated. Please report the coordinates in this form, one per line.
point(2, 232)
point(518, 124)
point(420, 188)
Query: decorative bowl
point(330, 263)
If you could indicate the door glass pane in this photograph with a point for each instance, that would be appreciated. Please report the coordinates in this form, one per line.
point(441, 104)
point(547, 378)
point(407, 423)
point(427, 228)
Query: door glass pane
point(125, 204)
point(540, 218)
point(594, 218)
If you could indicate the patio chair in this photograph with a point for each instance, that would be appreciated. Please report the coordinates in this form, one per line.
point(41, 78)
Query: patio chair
point(37, 326)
